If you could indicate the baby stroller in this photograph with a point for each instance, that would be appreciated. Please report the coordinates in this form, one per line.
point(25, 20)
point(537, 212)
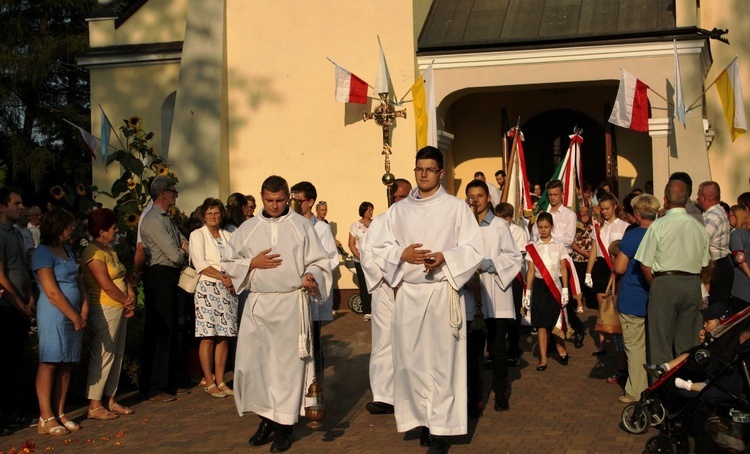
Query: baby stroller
point(721, 361)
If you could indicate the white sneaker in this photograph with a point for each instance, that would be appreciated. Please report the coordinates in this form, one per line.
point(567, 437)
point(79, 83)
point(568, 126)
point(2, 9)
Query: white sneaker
point(367, 317)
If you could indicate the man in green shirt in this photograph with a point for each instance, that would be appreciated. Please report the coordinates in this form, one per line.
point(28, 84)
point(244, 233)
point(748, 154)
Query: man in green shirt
point(672, 254)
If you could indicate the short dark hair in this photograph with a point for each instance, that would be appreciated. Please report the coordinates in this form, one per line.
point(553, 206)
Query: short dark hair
point(5, 195)
point(430, 152)
point(364, 206)
point(479, 174)
point(545, 216)
point(250, 198)
point(211, 202)
point(274, 183)
point(744, 199)
point(609, 197)
point(236, 199)
point(307, 188)
point(500, 172)
point(677, 193)
point(399, 181)
point(101, 220)
point(505, 210)
point(554, 184)
point(685, 178)
point(477, 184)
point(53, 224)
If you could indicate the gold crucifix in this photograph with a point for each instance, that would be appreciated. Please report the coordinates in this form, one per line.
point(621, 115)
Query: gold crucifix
point(384, 115)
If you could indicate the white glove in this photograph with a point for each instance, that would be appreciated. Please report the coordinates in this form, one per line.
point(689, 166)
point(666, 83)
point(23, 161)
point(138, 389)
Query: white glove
point(526, 300)
point(564, 297)
point(588, 281)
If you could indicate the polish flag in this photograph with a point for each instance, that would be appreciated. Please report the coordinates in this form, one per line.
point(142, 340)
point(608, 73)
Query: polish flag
point(349, 88)
point(631, 106)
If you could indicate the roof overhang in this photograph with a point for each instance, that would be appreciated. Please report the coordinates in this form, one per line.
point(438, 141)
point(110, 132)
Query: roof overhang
point(131, 55)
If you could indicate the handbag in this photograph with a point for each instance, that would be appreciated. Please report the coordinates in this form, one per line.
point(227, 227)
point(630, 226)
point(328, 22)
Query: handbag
point(188, 279)
point(608, 320)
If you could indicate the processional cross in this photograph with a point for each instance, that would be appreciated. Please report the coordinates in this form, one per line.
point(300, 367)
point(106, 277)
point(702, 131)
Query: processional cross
point(384, 115)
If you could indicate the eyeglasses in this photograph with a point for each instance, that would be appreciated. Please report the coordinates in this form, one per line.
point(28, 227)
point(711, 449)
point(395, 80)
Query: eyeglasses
point(431, 170)
point(173, 191)
point(213, 214)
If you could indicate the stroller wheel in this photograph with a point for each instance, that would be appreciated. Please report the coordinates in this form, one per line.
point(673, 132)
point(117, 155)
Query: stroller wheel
point(660, 444)
point(636, 422)
point(658, 413)
point(355, 303)
point(684, 442)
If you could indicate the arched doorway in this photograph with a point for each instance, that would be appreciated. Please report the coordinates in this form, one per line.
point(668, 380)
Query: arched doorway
point(546, 142)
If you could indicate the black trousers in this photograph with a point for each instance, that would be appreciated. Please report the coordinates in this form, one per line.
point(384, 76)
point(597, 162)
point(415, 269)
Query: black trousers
point(364, 295)
point(161, 335)
point(497, 329)
point(14, 329)
point(722, 279)
point(514, 326)
point(475, 341)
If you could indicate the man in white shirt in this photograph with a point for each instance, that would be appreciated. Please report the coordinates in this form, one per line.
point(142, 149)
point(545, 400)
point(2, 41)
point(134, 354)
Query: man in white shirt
point(717, 227)
point(35, 217)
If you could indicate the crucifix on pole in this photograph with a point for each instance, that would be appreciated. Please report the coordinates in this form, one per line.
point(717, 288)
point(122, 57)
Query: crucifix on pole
point(384, 115)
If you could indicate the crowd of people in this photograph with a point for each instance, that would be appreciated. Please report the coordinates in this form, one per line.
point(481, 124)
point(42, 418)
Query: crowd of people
point(442, 301)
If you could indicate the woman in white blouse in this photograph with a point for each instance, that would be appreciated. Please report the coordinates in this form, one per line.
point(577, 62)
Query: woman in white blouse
point(215, 299)
point(356, 233)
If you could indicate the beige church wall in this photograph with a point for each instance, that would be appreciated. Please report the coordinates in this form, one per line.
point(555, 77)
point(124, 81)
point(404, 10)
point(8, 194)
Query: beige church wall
point(123, 93)
point(729, 161)
point(282, 117)
point(157, 21)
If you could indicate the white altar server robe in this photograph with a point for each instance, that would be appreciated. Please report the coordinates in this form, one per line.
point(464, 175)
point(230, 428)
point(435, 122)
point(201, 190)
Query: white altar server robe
point(323, 311)
point(270, 376)
point(381, 353)
point(501, 264)
point(428, 331)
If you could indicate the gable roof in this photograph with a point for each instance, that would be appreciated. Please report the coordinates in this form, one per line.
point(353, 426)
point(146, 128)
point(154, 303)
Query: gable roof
point(464, 25)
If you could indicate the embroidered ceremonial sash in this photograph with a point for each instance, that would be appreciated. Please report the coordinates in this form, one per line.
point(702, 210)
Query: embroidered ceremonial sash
point(600, 244)
point(548, 279)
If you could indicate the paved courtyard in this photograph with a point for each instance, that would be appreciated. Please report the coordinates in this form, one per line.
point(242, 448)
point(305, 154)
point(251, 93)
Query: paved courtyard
point(562, 410)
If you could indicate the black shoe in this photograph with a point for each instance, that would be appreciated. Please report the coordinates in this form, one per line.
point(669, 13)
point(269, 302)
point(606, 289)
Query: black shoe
point(501, 403)
point(564, 360)
point(513, 362)
point(263, 434)
point(425, 439)
point(541, 368)
point(475, 411)
point(488, 363)
point(599, 352)
point(379, 408)
point(439, 445)
point(282, 438)
point(19, 419)
point(578, 342)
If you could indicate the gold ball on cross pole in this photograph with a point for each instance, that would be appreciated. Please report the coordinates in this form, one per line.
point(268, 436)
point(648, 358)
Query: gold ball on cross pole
point(388, 179)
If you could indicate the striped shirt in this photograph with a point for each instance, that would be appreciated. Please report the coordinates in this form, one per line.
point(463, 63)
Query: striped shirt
point(717, 227)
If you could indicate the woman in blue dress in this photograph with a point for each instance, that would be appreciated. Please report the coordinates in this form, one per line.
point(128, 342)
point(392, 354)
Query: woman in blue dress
point(61, 314)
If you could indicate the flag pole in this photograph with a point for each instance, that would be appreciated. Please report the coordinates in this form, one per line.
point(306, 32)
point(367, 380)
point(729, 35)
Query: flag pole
point(513, 151)
point(712, 84)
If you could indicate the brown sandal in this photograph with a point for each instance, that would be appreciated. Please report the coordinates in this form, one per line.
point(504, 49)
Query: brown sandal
point(101, 414)
point(44, 428)
point(121, 409)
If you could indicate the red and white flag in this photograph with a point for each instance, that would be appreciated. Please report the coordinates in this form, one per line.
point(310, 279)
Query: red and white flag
point(631, 106)
point(349, 88)
point(90, 141)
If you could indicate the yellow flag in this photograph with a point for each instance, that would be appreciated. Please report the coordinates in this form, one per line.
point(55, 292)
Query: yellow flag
point(420, 111)
point(730, 93)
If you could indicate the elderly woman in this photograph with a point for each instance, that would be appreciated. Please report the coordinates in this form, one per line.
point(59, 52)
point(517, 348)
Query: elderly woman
point(356, 233)
point(632, 299)
point(62, 311)
point(111, 303)
point(215, 300)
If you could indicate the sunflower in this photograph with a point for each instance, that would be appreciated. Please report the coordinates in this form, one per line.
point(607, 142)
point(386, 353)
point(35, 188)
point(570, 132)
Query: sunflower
point(57, 192)
point(133, 122)
point(163, 170)
point(131, 184)
point(131, 220)
point(80, 189)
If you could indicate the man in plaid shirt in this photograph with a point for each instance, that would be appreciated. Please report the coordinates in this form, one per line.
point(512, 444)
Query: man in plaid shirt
point(717, 227)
